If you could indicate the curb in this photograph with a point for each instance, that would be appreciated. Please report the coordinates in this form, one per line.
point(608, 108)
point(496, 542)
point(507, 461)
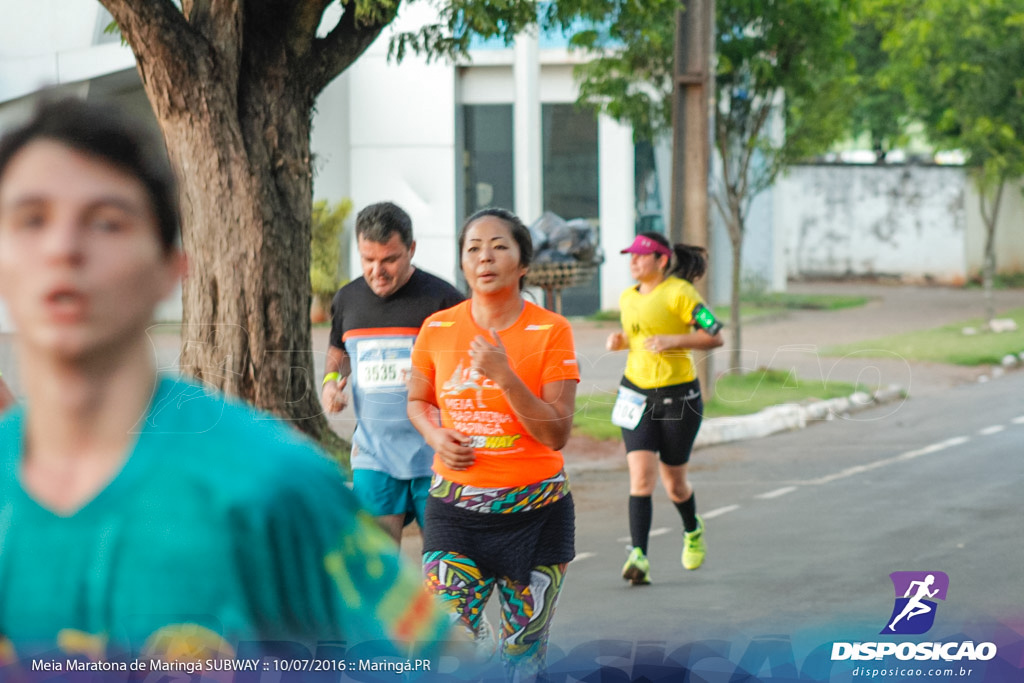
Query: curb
point(790, 417)
point(773, 420)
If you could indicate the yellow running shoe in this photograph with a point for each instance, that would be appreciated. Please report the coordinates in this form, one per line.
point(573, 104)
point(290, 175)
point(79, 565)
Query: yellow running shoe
point(693, 546)
point(637, 569)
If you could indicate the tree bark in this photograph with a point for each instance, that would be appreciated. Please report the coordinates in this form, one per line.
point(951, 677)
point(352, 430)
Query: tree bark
point(736, 354)
point(232, 86)
point(988, 268)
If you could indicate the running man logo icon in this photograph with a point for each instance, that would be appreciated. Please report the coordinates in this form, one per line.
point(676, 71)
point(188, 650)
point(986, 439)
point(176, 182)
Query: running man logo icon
point(916, 592)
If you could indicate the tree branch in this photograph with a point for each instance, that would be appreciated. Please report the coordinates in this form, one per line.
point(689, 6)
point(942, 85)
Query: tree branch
point(157, 30)
point(345, 43)
point(306, 18)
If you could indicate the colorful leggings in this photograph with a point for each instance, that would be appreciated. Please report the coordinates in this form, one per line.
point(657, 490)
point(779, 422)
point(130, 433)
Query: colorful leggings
point(526, 608)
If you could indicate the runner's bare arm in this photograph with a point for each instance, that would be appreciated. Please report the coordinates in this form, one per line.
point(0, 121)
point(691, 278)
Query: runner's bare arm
point(336, 371)
point(450, 445)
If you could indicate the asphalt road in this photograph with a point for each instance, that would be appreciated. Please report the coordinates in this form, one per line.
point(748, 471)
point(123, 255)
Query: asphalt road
point(804, 528)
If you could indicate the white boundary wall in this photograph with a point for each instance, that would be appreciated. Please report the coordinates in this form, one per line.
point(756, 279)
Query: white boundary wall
point(903, 221)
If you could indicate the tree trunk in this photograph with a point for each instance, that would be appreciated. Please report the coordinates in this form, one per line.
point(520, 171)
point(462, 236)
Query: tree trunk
point(237, 131)
point(988, 269)
point(736, 354)
point(989, 273)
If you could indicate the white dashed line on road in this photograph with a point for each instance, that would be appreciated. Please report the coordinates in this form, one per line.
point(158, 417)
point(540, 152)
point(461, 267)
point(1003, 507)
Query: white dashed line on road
point(1018, 420)
point(909, 455)
point(989, 431)
point(583, 556)
point(718, 512)
point(776, 493)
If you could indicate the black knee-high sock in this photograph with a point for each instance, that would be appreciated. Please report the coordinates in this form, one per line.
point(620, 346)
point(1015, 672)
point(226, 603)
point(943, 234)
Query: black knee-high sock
point(688, 511)
point(641, 511)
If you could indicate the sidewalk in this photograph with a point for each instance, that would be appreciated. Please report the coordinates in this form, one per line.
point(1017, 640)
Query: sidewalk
point(793, 342)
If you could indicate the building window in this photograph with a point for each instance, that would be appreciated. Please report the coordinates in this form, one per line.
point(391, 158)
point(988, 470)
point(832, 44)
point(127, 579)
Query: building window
point(650, 213)
point(571, 184)
point(488, 159)
point(570, 161)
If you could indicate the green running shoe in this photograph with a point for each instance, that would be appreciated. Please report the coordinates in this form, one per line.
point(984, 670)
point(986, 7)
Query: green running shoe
point(693, 546)
point(637, 569)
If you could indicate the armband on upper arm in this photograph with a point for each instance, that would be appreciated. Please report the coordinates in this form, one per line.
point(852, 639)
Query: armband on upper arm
point(705, 320)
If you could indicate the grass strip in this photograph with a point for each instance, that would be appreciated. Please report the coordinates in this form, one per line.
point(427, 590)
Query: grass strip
point(734, 395)
point(947, 344)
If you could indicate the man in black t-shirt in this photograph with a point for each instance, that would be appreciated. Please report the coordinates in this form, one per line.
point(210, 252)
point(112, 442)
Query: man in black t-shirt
point(374, 322)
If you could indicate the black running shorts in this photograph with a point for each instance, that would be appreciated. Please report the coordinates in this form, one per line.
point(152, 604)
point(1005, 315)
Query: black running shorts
point(670, 421)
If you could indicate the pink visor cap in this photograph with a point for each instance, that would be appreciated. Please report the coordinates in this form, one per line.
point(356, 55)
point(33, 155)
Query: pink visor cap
point(645, 245)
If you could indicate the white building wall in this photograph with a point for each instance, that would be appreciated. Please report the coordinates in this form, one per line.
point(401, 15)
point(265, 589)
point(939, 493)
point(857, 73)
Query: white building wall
point(761, 271)
point(1009, 231)
point(902, 221)
point(401, 128)
point(48, 42)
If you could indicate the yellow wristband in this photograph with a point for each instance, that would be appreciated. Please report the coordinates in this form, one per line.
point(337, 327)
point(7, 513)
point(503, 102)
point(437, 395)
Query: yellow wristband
point(331, 377)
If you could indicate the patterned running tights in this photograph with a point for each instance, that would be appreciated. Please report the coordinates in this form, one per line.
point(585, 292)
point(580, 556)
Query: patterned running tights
point(526, 608)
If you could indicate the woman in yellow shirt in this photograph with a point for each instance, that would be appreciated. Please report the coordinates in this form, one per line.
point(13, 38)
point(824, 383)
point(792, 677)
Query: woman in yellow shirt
point(659, 406)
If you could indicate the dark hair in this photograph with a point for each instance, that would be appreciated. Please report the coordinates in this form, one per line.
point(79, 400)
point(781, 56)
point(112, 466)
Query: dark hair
point(520, 233)
point(378, 222)
point(100, 130)
point(690, 262)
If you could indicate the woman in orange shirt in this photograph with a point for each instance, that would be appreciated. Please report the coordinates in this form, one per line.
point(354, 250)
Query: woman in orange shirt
point(493, 390)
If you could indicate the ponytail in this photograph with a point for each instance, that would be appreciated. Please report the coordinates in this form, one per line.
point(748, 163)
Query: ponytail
point(690, 263)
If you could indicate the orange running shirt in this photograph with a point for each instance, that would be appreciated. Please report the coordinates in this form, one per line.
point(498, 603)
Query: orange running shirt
point(540, 350)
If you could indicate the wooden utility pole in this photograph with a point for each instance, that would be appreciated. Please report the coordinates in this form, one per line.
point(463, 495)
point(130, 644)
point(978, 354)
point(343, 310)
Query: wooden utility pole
point(691, 142)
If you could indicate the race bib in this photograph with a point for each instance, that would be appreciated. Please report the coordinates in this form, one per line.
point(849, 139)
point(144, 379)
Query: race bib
point(383, 364)
point(629, 408)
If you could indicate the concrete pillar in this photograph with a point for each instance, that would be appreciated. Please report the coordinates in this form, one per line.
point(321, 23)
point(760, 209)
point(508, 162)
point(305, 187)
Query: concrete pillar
point(526, 128)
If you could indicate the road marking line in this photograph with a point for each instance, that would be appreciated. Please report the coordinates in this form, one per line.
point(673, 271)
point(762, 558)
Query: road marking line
point(776, 493)
point(1018, 420)
point(583, 556)
point(718, 512)
point(909, 455)
point(989, 431)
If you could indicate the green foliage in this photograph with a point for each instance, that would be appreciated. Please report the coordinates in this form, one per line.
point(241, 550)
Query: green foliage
point(460, 20)
point(961, 65)
point(328, 224)
point(794, 49)
point(879, 108)
point(946, 344)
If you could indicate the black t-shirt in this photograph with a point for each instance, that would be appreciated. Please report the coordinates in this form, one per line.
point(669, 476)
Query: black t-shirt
point(356, 307)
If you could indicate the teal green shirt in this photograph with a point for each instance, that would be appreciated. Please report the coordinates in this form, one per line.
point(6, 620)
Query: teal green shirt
point(223, 525)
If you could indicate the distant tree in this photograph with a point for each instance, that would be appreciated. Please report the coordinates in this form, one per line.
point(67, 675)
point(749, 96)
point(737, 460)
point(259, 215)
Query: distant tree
point(782, 90)
point(879, 108)
point(232, 85)
point(961, 65)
